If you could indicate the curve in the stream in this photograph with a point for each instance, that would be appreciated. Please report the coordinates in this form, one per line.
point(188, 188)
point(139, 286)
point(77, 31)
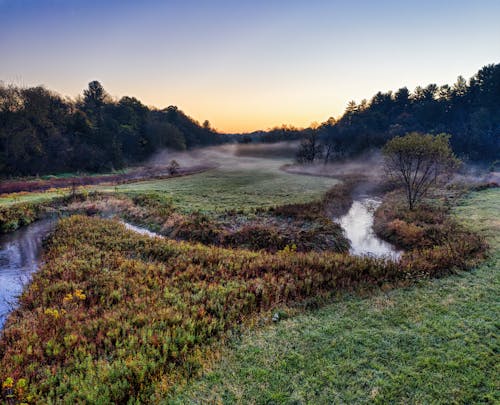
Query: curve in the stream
point(20, 250)
point(358, 226)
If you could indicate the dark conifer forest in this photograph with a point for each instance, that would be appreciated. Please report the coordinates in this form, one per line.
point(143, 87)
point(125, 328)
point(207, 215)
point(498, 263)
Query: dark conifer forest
point(42, 132)
point(468, 110)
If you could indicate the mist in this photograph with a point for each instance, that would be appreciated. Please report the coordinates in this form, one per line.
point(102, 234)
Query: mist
point(230, 156)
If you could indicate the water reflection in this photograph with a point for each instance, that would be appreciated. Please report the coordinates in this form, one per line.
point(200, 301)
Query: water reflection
point(19, 257)
point(358, 226)
point(140, 230)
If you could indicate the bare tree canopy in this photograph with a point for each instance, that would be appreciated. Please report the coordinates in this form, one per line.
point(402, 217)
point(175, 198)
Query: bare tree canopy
point(417, 161)
point(310, 148)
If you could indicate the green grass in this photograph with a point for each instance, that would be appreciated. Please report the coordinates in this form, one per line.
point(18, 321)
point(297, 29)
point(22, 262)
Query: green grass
point(238, 184)
point(433, 343)
point(34, 197)
point(245, 188)
point(70, 175)
point(43, 196)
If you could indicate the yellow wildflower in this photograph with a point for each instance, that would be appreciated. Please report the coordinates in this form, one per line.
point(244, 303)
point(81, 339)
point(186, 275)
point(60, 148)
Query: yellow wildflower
point(68, 298)
point(52, 312)
point(80, 295)
point(8, 383)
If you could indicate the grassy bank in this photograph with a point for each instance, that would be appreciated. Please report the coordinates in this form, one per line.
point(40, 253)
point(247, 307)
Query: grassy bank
point(7, 200)
point(433, 343)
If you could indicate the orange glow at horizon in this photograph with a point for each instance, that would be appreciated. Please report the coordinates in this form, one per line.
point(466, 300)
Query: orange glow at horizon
point(248, 112)
point(245, 66)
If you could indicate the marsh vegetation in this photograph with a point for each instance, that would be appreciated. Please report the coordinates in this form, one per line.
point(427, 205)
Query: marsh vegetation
point(118, 315)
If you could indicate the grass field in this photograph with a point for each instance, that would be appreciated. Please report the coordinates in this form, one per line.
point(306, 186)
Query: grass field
point(220, 190)
point(240, 183)
point(34, 197)
point(433, 343)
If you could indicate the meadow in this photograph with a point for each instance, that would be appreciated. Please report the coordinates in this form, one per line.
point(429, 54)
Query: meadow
point(116, 317)
point(238, 183)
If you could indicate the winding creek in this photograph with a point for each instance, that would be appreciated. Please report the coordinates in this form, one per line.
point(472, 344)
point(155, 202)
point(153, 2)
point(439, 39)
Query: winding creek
point(358, 226)
point(19, 258)
point(20, 250)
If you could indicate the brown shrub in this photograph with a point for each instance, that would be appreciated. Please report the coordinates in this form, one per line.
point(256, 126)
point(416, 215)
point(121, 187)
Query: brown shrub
point(436, 245)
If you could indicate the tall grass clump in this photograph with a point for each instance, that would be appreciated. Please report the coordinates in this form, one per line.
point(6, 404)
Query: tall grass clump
point(15, 216)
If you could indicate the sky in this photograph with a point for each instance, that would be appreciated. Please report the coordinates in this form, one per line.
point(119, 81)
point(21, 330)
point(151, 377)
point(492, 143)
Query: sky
point(246, 65)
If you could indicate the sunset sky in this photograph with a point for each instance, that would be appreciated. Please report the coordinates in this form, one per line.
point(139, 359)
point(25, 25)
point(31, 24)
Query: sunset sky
point(246, 65)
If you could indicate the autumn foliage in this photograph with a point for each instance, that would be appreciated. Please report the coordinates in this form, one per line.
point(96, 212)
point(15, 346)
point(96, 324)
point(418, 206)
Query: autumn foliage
point(114, 316)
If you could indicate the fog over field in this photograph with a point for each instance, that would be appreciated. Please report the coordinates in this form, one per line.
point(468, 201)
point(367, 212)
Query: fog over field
point(231, 156)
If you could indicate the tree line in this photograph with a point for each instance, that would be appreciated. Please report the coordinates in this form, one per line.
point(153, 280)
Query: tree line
point(468, 110)
point(42, 132)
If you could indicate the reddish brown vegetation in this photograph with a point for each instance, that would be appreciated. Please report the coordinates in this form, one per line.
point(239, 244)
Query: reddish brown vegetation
point(435, 243)
point(145, 173)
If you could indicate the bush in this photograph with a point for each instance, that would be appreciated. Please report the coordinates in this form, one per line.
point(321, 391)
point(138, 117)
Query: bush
point(17, 215)
point(436, 245)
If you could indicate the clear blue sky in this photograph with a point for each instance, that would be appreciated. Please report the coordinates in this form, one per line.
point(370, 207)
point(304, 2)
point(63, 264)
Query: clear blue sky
point(246, 65)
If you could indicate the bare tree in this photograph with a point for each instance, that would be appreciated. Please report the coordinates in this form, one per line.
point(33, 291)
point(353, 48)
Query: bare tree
point(332, 142)
point(417, 161)
point(173, 167)
point(310, 148)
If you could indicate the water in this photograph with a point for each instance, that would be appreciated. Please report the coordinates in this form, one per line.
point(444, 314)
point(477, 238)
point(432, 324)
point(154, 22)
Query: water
point(142, 231)
point(19, 258)
point(358, 226)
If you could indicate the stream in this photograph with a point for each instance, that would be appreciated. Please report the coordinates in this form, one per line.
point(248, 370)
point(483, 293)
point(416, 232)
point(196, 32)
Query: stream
point(358, 226)
point(19, 258)
point(20, 250)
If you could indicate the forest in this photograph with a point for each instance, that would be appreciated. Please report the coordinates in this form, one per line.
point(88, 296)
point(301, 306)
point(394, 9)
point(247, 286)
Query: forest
point(469, 110)
point(42, 132)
